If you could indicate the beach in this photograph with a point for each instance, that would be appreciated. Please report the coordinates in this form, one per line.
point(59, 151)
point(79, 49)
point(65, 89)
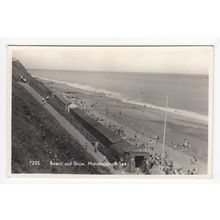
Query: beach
point(141, 124)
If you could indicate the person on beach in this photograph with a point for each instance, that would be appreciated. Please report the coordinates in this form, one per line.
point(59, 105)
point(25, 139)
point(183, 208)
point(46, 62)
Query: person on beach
point(188, 146)
point(166, 155)
point(151, 161)
point(147, 167)
point(171, 144)
point(193, 160)
point(185, 143)
point(193, 172)
point(146, 144)
point(152, 147)
point(179, 171)
point(105, 159)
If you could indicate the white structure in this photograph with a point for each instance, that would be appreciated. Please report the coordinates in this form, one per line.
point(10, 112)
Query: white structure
point(71, 106)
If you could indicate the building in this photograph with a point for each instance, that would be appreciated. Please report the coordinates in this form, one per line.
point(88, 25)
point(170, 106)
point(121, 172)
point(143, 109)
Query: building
point(61, 101)
point(100, 132)
point(132, 156)
point(113, 146)
point(71, 106)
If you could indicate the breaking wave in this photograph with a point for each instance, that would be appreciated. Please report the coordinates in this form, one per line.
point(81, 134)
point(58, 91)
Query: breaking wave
point(115, 95)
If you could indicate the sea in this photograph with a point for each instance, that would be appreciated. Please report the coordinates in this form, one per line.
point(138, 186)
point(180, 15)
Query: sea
point(186, 93)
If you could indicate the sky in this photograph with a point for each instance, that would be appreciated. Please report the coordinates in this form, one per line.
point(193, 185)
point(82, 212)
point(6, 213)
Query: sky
point(166, 59)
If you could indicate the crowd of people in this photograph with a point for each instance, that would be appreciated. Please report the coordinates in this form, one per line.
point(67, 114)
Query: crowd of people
point(184, 146)
point(167, 167)
point(155, 159)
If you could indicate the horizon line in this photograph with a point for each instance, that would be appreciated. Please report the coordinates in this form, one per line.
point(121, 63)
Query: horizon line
point(130, 72)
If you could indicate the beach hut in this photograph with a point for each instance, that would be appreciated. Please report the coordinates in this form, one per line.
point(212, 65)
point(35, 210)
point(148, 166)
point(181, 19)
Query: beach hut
point(133, 157)
point(61, 101)
point(112, 144)
point(71, 106)
point(103, 134)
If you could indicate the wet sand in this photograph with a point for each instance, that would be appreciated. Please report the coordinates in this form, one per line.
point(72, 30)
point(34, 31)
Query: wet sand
point(147, 123)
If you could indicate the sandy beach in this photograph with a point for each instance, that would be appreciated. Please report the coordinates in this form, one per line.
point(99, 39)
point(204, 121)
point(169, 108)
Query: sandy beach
point(141, 124)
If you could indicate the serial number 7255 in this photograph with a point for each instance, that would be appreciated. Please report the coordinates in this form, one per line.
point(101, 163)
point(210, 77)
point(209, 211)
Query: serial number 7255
point(34, 162)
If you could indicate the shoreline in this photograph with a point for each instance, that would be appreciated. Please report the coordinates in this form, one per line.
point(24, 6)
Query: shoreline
point(175, 113)
point(146, 122)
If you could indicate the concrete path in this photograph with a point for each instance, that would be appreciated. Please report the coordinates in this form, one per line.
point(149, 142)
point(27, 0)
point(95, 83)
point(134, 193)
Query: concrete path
point(68, 127)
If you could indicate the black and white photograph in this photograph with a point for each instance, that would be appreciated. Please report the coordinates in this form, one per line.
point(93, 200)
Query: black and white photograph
point(119, 110)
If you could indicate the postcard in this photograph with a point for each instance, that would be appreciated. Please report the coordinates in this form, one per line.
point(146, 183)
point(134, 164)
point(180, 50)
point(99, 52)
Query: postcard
point(110, 111)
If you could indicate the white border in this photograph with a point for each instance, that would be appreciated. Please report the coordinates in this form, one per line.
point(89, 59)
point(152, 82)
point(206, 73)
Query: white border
point(114, 41)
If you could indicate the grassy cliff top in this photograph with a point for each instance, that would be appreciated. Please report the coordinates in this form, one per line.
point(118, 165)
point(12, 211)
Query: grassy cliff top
point(37, 136)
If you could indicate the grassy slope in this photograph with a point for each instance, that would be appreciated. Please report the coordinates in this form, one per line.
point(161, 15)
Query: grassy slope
point(36, 135)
